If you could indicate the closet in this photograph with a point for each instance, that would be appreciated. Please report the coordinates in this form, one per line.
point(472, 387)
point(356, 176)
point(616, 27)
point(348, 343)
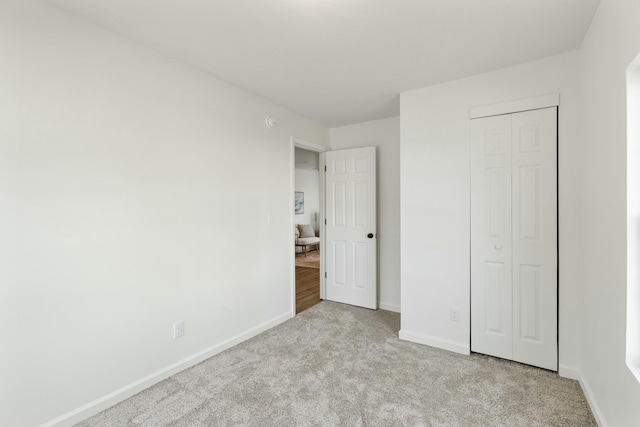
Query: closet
point(514, 244)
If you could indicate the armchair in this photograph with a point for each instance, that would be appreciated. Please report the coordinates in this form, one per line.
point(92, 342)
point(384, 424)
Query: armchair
point(305, 236)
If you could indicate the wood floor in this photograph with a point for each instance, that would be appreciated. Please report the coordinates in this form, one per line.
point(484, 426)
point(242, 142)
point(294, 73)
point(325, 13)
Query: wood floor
point(307, 287)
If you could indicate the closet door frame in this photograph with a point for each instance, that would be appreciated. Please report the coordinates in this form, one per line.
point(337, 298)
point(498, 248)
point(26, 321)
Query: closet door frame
point(510, 107)
point(478, 320)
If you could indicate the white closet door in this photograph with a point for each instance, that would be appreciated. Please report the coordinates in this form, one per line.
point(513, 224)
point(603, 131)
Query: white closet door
point(514, 237)
point(491, 290)
point(535, 241)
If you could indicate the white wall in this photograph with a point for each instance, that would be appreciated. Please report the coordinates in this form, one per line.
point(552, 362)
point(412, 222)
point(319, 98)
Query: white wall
point(305, 159)
point(385, 135)
point(434, 154)
point(613, 41)
point(130, 189)
point(308, 181)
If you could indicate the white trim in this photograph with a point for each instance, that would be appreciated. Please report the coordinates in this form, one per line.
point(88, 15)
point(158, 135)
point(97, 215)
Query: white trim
point(569, 372)
point(444, 344)
point(591, 400)
point(292, 222)
point(320, 149)
point(104, 402)
point(389, 307)
point(308, 145)
point(633, 365)
point(509, 107)
point(323, 231)
point(632, 351)
point(574, 373)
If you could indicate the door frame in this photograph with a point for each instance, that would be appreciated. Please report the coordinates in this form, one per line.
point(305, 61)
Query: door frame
point(510, 107)
point(517, 106)
point(320, 149)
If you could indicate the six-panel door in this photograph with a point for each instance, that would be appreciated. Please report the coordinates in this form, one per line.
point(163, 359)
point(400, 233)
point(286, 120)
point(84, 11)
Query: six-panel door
point(351, 226)
point(514, 237)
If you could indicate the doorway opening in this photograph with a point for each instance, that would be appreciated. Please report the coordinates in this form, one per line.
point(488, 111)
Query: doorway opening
point(307, 177)
point(343, 227)
point(307, 228)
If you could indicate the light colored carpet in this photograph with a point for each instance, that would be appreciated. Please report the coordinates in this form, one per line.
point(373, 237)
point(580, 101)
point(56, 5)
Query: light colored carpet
point(339, 365)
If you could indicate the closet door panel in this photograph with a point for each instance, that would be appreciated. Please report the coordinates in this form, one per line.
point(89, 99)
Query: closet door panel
point(491, 293)
point(535, 231)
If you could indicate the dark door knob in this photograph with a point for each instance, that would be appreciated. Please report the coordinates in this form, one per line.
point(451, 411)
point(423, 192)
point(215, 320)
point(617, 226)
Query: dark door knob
point(370, 235)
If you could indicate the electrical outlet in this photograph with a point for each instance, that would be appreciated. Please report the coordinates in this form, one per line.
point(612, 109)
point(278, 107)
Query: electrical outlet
point(178, 329)
point(454, 314)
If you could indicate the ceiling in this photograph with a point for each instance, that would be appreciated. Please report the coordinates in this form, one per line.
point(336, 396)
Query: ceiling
point(344, 61)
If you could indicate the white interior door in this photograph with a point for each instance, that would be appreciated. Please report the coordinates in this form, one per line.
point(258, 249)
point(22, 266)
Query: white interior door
point(514, 237)
point(351, 232)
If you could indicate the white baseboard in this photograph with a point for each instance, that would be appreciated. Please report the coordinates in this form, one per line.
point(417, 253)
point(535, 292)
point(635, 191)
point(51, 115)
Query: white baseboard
point(389, 307)
point(570, 372)
point(444, 344)
point(104, 402)
point(574, 373)
point(588, 393)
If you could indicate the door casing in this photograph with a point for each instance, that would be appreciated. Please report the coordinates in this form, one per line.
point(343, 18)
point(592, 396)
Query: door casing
point(494, 112)
point(320, 149)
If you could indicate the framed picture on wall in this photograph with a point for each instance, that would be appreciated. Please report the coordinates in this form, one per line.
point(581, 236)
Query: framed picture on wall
point(299, 203)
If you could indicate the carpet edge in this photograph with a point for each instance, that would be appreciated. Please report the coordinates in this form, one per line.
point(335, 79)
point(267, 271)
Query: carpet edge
point(100, 404)
point(389, 307)
point(591, 399)
point(443, 344)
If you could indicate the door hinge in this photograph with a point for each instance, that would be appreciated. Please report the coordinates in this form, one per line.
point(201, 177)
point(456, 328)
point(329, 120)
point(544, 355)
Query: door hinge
point(325, 274)
point(325, 168)
point(325, 221)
